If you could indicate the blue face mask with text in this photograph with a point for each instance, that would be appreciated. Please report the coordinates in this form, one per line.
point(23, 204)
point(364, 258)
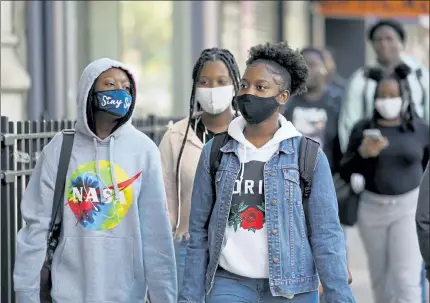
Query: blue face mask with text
point(116, 102)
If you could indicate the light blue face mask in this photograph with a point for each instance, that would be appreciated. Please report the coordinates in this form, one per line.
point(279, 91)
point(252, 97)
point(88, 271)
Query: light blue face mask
point(116, 102)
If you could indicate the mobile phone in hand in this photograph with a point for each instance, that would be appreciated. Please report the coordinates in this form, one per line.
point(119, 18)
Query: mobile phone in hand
point(373, 133)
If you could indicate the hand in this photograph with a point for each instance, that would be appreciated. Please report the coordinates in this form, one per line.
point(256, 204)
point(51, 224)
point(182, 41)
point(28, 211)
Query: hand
point(371, 148)
point(349, 277)
point(321, 290)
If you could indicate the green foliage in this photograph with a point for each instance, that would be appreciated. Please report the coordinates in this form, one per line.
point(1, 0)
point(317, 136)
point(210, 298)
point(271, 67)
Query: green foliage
point(147, 26)
point(147, 31)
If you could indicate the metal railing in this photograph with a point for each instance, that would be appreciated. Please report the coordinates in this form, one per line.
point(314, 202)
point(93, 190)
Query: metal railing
point(21, 145)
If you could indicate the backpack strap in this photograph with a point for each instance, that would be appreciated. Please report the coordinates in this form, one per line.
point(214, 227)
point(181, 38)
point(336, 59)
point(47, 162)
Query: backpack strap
point(60, 183)
point(218, 141)
point(308, 153)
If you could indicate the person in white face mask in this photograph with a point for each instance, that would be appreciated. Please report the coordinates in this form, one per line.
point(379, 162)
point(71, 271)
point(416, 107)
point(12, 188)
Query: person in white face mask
point(212, 107)
point(390, 151)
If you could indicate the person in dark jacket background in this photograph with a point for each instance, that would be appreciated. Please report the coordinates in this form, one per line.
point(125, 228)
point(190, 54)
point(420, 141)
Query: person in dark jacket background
point(315, 113)
point(423, 220)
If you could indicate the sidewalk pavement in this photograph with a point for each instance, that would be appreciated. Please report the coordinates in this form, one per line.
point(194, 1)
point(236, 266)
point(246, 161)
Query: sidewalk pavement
point(358, 266)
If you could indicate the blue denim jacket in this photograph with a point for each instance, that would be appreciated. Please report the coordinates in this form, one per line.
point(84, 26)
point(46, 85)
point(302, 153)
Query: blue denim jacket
point(294, 258)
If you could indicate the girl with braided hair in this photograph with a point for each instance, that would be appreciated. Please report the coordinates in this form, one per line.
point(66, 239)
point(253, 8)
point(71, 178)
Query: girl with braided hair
point(390, 150)
point(212, 107)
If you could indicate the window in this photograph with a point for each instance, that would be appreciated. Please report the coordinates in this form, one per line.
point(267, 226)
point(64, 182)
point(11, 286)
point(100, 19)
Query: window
point(417, 42)
point(245, 24)
point(147, 43)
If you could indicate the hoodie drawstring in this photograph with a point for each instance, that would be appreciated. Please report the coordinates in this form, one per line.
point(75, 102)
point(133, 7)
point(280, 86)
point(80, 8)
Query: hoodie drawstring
point(99, 178)
point(112, 167)
point(102, 184)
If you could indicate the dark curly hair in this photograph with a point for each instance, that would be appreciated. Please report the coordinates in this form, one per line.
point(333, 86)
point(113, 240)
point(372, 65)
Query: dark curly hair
point(209, 55)
point(283, 61)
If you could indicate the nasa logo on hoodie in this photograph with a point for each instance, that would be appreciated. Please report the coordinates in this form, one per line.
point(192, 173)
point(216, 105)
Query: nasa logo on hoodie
point(92, 197)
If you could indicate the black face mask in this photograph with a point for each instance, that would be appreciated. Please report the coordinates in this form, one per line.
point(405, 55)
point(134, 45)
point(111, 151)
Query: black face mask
point(256, 109)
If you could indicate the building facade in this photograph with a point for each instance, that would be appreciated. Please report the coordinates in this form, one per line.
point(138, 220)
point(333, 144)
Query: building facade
point(45, 45)
point(15, 80)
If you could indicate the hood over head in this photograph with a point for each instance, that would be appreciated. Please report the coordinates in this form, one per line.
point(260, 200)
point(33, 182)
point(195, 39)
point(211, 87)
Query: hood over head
point(86, 89)
point(85, 94)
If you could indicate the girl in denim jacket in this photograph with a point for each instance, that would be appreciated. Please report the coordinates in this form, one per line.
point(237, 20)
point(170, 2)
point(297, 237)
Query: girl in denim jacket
point(254, 245)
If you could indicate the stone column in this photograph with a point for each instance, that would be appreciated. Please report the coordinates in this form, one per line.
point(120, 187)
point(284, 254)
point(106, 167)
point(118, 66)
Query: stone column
point(296, 17)
point(104, 30)
point(317, 28)
point(15, 80)
point(181, 57)
point(71, 53)
point(97, 30)
point(211, 24)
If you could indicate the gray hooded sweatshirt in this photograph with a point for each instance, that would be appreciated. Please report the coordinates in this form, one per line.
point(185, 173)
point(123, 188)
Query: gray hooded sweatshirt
point(110, 249)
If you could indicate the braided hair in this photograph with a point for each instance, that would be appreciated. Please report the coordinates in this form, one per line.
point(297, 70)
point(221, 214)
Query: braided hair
point(209, 55)
point(400, 75)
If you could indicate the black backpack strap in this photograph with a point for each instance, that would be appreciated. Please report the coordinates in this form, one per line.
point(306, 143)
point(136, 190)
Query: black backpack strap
point(219, 140)
point(60, 183)
point(308, 153)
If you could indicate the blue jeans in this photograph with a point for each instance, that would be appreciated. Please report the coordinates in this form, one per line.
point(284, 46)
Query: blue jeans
point(232, 288)
point(180, 253)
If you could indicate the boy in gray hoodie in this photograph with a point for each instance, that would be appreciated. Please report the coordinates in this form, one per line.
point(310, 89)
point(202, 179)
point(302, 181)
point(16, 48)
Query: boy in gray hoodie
point(115, 242)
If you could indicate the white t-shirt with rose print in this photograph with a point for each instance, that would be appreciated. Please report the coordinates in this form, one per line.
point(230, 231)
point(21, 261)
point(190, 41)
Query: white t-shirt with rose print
point(246, 249)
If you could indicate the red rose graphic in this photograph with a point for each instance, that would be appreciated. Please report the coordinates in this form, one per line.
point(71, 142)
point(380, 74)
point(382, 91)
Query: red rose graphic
point(252, 219)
